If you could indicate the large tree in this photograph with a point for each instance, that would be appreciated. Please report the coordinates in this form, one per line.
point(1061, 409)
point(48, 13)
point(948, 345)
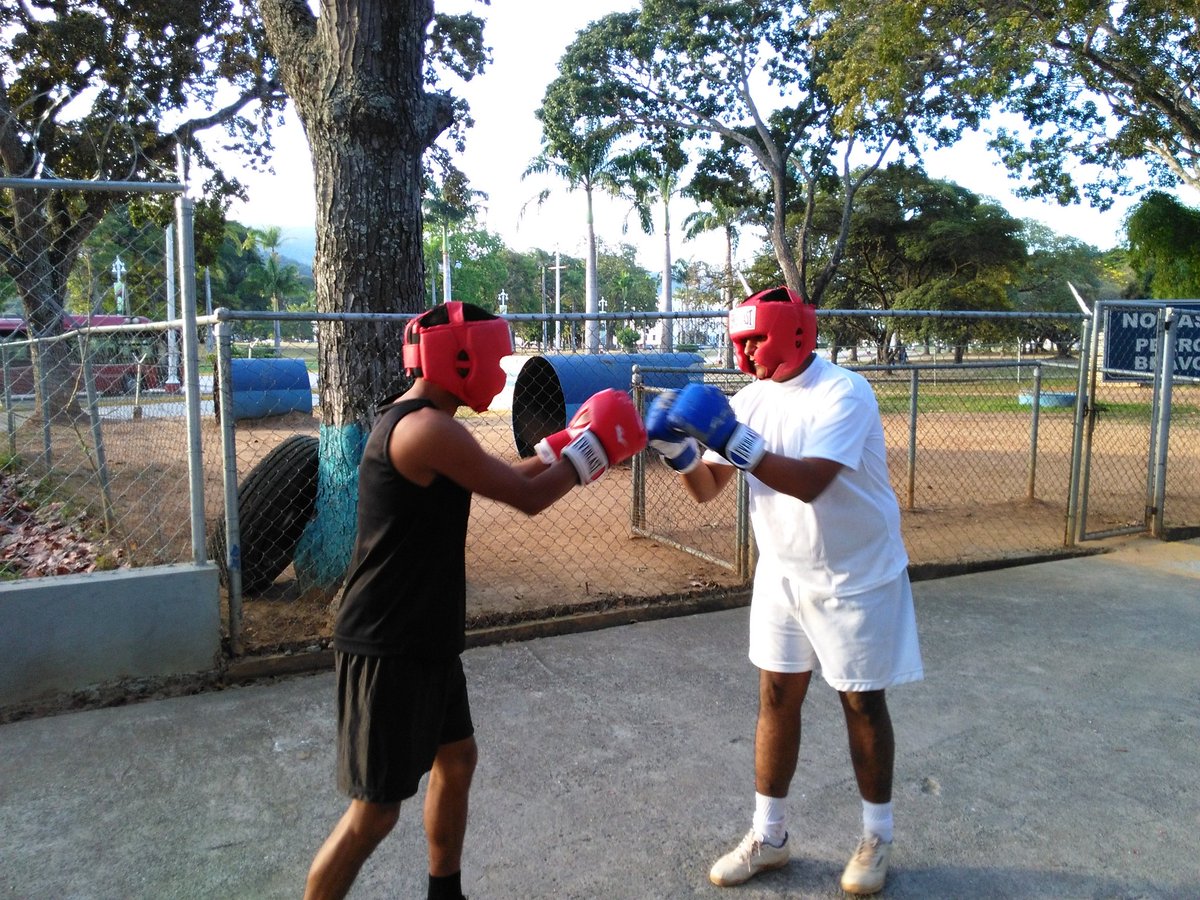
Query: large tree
point(359, 73)
point(749, 76)
point(1102, 84)
point(1164, 246)
point(107, 91)
point(1054, 266)
point(921, 243)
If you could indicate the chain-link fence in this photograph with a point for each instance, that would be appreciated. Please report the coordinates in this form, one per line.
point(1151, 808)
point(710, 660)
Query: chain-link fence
point(1008, 437)
point(983, 454)
point(86, 479)
point(1140, 432)
point(979, 444)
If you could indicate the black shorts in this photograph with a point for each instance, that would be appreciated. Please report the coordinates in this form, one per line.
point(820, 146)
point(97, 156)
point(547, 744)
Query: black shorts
point(393, 715)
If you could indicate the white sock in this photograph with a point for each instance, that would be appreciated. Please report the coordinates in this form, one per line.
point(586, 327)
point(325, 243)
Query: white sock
point(770, 816)
point(877, 819)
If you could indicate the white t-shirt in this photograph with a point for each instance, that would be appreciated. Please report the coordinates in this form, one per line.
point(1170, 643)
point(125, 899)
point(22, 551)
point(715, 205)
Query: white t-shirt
point(848, 539)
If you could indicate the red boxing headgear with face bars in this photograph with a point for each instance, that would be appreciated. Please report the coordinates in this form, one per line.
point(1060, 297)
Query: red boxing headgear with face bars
point(458, 346)
point(785, 326)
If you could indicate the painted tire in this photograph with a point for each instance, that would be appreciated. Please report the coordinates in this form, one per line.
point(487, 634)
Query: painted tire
point(276, 500)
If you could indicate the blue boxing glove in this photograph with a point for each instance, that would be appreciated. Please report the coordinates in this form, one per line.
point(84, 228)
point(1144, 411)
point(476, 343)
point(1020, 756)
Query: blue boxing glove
point(678, 449)
point(702, 411)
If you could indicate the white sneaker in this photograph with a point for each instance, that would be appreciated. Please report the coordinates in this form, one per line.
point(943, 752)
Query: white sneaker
point(867, 869)
point(746, 860)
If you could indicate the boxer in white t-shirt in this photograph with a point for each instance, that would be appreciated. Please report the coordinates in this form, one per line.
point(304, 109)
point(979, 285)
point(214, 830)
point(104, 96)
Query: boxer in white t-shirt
point(831, 589)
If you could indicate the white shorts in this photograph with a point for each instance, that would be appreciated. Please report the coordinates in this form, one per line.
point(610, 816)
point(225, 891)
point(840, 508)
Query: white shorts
point(861, 642)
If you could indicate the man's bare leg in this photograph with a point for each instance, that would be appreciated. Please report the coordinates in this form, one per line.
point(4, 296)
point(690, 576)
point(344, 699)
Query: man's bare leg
point(352, 840)
point(872, 743)
point(446, 802)
point(777, 734)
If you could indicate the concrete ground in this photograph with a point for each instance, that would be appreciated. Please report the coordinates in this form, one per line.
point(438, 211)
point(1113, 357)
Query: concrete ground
point(1052, 751)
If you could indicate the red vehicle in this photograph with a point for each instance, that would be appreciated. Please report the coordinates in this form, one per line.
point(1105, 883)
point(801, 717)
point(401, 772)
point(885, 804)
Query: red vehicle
point(119, 359)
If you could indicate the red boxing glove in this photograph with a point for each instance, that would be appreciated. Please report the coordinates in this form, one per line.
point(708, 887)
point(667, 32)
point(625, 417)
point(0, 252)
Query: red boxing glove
point(550, 448)
point(611, 414)
point(612, 417)
point(605, 431)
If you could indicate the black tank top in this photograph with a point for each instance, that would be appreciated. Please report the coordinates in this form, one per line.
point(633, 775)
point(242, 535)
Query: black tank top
point(405, 589)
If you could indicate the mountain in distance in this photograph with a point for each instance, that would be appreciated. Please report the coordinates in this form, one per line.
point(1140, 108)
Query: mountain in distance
point(299, 244)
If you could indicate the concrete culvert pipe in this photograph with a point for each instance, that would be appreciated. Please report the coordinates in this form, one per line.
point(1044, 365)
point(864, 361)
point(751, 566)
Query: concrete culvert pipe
point(550, 389)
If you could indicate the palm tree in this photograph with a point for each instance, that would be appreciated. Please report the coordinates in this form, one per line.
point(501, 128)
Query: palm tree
point(586, 162)
point(450, 203)
point(728, 219)
point(276, 279)
point(654, 176)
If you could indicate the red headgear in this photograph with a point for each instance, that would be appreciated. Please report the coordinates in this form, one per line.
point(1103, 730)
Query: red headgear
point(785, 326)
point(458, 346)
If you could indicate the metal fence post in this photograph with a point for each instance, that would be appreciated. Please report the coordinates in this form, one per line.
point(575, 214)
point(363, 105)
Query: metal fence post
point(1156, 396)
point(93, 406)
point(1074, 526)
point(1162, 427)
point(43, 391)
point(1031, 487)
point(912, 438)
point(743, 532)
point(233, 537)
point(637, 510)
point(10, 413)
point(184, 212)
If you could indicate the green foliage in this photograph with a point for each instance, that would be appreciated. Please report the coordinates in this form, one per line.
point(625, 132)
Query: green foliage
point(748, 82)
point(450, 203)
point(625, 286)
point(482, 267)
point(141, 249)
point(248, 271)
point(723, 216)
point(1164, 246)
point(921, 244)
point(583, 152)
point(1101, 84)
point(1053, 265)
point(86, 90)
point(627, 338)
point(477, 263)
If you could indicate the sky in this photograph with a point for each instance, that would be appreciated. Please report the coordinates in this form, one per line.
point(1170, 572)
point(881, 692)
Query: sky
point(527, 38)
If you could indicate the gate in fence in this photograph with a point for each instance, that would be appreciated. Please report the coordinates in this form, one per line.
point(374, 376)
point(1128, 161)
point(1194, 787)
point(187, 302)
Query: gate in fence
point(1139, 424)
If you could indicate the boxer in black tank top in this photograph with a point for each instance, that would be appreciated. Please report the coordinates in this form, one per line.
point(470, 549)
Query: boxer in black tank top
point(402, 698)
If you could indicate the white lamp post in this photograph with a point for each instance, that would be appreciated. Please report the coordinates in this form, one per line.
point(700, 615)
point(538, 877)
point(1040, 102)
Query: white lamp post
point(603, 324)
point(502, 302)
point(118, 270)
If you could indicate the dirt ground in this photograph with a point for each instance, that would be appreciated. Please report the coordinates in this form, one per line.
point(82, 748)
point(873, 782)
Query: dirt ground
point(969, 499)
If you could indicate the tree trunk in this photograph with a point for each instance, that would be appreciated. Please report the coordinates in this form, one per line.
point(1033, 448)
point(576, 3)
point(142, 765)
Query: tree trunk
point(729, 294)
point(591, 294)
point(356, 77)
point(40, 273)
point(666, 302)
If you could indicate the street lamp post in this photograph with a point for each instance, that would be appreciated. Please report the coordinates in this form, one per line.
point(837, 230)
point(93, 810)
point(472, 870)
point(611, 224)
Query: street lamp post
point(557, 267)
point(544, 324)
point(502, 302)
point(118, 270)
point(603, 324)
